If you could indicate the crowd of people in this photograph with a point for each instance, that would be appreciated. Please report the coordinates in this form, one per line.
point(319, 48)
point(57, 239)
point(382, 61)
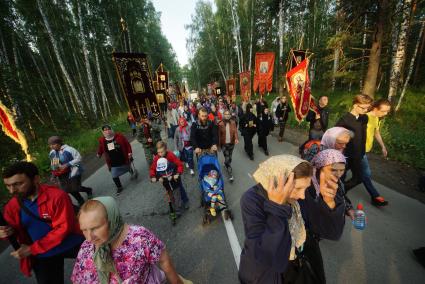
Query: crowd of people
point(296, 200)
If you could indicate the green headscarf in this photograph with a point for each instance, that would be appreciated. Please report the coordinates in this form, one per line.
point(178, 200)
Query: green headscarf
point(103, 255)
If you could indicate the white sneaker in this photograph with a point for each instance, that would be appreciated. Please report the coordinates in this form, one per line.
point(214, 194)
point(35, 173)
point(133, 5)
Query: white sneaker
point(192, 172)
point(187, 165)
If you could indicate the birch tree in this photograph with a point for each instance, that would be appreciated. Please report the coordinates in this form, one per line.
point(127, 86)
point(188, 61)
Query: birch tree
point(400, 55)
point(59, 59)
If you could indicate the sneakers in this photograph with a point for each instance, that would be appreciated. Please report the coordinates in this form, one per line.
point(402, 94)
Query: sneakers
point(192, 172)
point(213, 212)
point(231, 179)
point(379, 201)
point(119, 190)
point(187, 165)
point(266, 152)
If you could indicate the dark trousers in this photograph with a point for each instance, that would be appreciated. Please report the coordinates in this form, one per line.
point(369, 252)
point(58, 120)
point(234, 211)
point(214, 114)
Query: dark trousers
point(262, 142)
point(117, 182)
point(227, 152)
point(247, 139)
point(282, 125)
point(73, 186)
point(50, 270)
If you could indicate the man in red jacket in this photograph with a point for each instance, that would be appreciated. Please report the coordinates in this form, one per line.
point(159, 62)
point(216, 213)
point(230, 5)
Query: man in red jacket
point(42, 219)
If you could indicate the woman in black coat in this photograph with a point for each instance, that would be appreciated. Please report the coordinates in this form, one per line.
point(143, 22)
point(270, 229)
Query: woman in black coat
point(248, 126)
point(284, 217)
point(264, 126)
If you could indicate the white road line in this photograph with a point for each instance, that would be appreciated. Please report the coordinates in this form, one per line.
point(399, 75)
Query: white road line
point(233, 240)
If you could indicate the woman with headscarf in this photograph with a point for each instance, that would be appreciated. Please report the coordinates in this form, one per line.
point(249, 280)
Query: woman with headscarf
point(334, 138)
point(183, 145)
point(282, 222)
point(248, 126)
point(116, 252)
point(118, 154)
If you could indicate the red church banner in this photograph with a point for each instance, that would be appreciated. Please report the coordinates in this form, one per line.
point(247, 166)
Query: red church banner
point(231, 89)
point(263, 76)
point(298, 84)
point(245, 85)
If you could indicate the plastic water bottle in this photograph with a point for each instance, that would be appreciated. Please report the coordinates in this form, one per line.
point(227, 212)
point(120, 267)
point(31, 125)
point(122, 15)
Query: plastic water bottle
point(359, 221)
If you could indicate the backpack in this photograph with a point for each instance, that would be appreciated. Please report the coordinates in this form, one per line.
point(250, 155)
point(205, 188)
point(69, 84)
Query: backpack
point(305, 150)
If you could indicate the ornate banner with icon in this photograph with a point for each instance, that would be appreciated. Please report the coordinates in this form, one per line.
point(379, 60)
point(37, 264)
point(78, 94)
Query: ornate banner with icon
point(263, 75)
point(298, 84)
point(231, 89)
point(245, 85)
point(136, 81)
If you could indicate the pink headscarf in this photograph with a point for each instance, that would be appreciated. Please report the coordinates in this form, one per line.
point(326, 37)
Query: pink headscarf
point(322, 159)
point(330, 136)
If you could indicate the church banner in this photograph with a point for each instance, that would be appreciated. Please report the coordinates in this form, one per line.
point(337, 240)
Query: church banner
point(263, 76)
point(231, 89)
point(245, 85)
point(137, 84)
point(298, 84)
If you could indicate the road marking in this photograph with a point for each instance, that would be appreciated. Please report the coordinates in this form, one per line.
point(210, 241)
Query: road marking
point(233, 240)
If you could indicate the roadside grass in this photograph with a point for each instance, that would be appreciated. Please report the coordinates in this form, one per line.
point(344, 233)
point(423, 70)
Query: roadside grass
point(84, 139)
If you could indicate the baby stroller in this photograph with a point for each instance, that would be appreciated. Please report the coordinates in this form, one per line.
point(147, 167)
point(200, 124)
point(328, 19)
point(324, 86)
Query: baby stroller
point(211, 194)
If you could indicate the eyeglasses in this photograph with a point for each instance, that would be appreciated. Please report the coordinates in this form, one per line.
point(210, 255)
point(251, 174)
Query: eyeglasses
point(363, 108)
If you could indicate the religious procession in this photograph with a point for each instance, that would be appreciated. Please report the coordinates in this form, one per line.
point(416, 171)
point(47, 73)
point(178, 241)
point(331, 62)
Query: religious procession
point(214, 147)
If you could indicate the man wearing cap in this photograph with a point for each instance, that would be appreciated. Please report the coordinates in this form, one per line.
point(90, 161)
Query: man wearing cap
point(65, 164)
point(118, 154)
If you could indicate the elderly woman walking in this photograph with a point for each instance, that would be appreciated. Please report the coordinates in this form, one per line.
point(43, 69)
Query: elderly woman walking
point(283, 222)
point(116, 252)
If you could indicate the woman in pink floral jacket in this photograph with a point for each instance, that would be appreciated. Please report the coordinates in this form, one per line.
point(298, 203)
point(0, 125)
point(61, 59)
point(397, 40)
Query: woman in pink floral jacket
point(115, 252)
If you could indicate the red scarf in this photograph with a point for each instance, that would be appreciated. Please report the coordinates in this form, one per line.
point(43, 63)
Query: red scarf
point(182, 128)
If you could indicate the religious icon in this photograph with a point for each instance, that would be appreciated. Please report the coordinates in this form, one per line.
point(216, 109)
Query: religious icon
point(264, 67)
point(162, 77)
point(231, 88)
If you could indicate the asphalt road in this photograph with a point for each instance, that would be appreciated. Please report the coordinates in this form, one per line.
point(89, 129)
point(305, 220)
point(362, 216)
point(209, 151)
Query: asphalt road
point(379, 254)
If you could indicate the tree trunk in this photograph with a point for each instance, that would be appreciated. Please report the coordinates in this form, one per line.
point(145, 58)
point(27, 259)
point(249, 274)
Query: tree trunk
point(235, 35)
point(375, 51)
point(412, 64)
point(102, 90)
point(338, 47)
point(418, 62)
point(363, 53)
point(280, 66)
point(252, 34)
point(398, 62)
point(58, 57)
point(87, 62)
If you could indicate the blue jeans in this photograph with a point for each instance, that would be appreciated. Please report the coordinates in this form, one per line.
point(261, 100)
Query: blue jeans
point(187, 156)
point(183, 193)
point(366, 178)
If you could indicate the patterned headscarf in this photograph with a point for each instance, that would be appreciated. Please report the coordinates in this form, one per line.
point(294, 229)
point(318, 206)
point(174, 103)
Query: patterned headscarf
point(330, 136)
point(273, 167)
point(322, 159)
point(103, 255)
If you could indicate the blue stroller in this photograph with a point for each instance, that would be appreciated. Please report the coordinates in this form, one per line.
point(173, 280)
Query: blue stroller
point(213, 200)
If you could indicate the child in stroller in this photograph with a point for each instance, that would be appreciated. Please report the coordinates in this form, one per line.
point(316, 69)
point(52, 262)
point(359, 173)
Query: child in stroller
point(214, 190)
point(212, 187)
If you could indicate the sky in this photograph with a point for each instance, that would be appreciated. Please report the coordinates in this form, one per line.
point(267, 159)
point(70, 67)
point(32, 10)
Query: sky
point(175, 15)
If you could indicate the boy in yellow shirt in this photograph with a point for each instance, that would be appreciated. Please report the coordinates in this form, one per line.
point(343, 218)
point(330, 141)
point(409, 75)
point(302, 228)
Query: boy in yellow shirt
point(379, 110)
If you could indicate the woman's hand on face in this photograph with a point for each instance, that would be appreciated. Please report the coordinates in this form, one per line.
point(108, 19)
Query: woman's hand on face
point(328, 188)
point(279, 191)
